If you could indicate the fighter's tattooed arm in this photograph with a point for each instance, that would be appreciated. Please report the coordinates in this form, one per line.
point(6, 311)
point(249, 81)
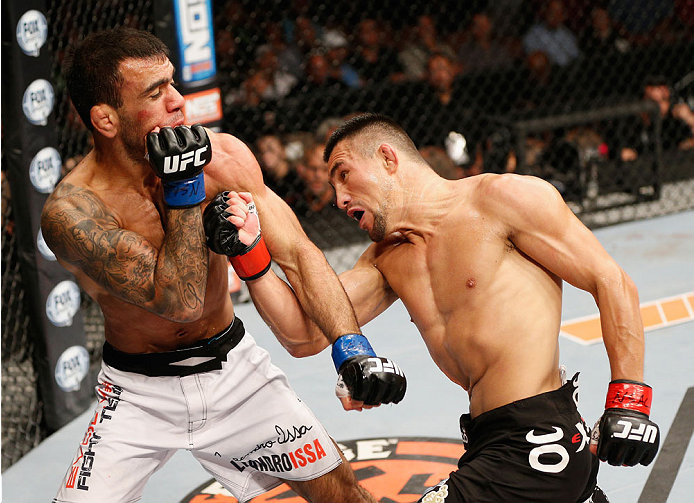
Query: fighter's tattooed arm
point(169, 281)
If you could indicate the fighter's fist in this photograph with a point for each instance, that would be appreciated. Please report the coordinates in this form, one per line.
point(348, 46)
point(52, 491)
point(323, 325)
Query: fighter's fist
point(365, 379)
point(232, 228)
point(178, 156)
point(624, 435)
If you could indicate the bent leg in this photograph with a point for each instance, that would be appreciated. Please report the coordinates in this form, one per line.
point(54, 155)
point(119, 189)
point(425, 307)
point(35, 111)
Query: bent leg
point(109, 467)
point(339, 484)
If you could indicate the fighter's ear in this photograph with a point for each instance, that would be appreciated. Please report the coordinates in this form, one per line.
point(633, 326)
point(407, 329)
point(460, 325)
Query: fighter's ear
point(389, 156)
point(104, 119)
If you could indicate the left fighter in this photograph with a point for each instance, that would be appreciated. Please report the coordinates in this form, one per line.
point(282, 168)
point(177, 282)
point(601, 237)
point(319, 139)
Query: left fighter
point(179, 371)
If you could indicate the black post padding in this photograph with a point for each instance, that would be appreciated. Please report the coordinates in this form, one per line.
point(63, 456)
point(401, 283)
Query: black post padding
point(33, 167)
point(186, 27)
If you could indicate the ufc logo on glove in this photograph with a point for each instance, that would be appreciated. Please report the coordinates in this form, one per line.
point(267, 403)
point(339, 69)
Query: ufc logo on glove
point(387, 366)
point(643, 432)
point(176, 163)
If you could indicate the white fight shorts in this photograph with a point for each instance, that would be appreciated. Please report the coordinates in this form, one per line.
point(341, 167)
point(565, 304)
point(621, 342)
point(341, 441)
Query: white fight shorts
point(241, 420)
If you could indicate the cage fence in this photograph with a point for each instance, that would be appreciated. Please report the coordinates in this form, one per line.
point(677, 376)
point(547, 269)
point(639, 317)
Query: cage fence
point(594, 96)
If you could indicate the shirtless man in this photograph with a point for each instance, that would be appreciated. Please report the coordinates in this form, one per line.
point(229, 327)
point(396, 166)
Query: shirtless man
point(179, 370)
point(479, 265)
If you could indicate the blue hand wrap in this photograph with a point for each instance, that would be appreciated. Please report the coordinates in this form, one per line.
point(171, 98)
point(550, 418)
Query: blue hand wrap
point(347, 346)
point(185, 193)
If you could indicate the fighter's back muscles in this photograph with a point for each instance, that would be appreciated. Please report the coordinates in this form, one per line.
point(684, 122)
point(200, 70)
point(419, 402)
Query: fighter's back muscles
point(87, 238)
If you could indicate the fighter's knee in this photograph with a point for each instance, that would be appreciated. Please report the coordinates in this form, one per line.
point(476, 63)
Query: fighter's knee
point(339, 484)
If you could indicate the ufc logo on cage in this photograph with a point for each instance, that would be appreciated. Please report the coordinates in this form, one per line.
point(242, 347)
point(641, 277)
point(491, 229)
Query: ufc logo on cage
point(384, 365)
point(177, 163)
point(644, 433)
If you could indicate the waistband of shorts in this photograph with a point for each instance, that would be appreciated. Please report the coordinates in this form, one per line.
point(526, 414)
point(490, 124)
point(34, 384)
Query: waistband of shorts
point(528, 412)
point(203, 356)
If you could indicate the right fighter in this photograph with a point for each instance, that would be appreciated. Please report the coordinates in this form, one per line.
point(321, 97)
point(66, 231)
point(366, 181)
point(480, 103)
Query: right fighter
point(479, 265)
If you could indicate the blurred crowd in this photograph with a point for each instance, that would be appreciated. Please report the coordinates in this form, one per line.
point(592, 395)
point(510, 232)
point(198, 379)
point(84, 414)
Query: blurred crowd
point(453, 75)
point(456, 76)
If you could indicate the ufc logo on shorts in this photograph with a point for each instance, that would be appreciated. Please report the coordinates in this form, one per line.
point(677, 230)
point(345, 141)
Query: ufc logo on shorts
point(644, 433)
point(176, 163)
point(384, 365)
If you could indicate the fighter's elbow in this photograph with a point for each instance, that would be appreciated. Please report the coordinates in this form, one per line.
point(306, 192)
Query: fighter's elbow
point(615, 281)
point(299, 351)
point(302, 350)
point(629, 285)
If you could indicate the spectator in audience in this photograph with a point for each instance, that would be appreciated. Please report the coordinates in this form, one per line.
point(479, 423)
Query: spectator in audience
point(540, 86)
point(238, 44)
point(318, 193)
point(481, 51)
point(437, 115)
point(604, 48)
point(337, 54)
point(601, 38)
point(643, 20)
point(440, 76)
point(684, 10)
point(438, 159)
point(325, 224)
point(425, 41)
point(320, 74)
point(630, 138)
point(267, 82)
point(305, 35)
point(226, 51)
point(373, 59)
point(289, 58)
point(550, 36)
point(327, 126)
point(278, 172)
point(511, 18)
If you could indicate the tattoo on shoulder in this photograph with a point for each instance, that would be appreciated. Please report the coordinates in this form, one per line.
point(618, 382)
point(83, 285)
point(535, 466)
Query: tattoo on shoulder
point(80, 229)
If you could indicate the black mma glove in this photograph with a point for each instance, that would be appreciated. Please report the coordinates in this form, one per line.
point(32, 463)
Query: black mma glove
point(178, 155)
point(624, 435)
point(364, 376)
point(250, 261)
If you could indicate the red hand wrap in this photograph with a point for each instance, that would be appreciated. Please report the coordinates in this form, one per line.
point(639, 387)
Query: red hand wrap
point(254, 263)
point(629, 395)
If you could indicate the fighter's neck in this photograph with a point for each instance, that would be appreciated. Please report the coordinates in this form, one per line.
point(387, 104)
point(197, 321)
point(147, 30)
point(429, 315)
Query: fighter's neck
point(114, 167)
point(426, 201)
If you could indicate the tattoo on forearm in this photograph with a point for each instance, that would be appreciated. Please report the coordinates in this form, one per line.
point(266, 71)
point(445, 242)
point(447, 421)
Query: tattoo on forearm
point(184, 257)
point(81, 230)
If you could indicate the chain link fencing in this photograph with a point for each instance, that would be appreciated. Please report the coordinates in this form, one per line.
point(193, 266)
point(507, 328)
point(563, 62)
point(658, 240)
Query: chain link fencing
point(594, 96)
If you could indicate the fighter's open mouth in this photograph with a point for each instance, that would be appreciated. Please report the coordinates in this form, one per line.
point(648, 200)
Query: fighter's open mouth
point(357, 215)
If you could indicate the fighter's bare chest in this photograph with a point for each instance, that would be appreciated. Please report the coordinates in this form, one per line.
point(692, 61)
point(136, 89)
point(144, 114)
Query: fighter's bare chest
point(447, 271)
point(143, 215)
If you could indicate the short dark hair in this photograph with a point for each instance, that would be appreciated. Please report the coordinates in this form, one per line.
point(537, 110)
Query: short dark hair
point(91, 67)
point(655, 81)
point(379, 123)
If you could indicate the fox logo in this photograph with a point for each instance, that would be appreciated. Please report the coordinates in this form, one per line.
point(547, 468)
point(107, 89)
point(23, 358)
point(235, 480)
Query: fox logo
point(179, 163)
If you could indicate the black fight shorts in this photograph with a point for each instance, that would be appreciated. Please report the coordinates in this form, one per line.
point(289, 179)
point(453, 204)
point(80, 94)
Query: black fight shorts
point(532, 450)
